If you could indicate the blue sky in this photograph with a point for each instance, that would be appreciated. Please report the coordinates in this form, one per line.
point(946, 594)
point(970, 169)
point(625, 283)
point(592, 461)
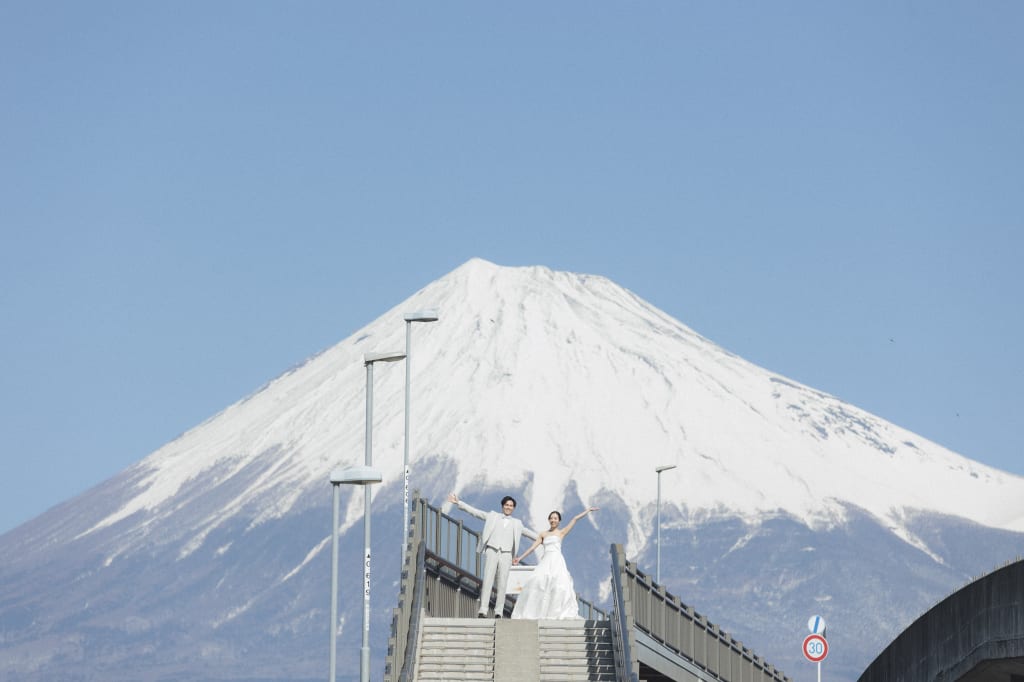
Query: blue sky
point(196, 196)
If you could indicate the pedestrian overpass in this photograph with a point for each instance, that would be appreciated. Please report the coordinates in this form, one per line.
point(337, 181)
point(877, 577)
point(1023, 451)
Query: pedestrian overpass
point(975, 634)
point(649, 635)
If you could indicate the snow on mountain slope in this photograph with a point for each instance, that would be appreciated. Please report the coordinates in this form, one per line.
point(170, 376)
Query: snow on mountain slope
point(210, 558)
point(557, 379)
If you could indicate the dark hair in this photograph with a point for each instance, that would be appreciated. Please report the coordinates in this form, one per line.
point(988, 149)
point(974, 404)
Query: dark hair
point(508, 498)
point(556, 512)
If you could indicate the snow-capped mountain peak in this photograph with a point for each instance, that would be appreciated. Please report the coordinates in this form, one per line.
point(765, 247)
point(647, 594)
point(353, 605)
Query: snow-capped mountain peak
point(560, 388)
point(569, 381)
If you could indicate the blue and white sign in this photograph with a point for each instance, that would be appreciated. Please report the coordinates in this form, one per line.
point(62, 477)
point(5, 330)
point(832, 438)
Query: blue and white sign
point(816, 625)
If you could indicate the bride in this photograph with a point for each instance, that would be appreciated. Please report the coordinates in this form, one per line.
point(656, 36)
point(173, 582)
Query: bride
point(549, 592)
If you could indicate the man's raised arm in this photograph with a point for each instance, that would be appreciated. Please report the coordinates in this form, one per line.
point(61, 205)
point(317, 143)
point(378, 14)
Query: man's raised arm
point(468, 508)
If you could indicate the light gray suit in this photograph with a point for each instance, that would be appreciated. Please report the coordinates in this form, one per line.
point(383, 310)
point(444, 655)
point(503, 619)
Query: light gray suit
point(499, 542)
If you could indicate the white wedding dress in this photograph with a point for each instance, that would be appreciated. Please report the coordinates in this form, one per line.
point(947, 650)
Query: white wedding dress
point(549, 592)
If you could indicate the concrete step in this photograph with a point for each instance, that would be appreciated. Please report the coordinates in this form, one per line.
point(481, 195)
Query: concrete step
point(566, 653)
point(584, 651)
point(575, 654)
point(596, 675)
point(456, 650)
point(446, 656)
point(580, 645)
point(576, 651)
point(574, 664)
point(455, 640)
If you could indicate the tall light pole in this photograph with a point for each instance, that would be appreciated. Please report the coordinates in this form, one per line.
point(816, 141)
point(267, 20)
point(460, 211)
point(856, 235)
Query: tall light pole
point(354, 476)
point(364, 653)
point(657, 574)
point(419, 316)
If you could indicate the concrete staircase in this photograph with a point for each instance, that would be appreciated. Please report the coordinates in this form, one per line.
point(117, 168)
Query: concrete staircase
point(454, 649)
point(576, 650)
point(485, 650)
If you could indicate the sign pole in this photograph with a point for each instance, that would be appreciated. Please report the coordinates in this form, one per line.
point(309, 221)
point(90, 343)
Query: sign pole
point(815, 645)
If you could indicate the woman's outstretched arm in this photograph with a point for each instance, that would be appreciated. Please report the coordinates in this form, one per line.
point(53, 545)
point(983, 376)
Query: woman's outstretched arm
point(536, 543)
point(572, 522)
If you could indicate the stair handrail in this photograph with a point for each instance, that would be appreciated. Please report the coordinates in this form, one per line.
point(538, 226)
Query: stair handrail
point(403, 636)
point(408, 672)
point(627, 667)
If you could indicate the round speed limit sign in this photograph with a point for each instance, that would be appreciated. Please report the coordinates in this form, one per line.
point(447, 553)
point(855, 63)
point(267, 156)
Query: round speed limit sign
point(815, 648)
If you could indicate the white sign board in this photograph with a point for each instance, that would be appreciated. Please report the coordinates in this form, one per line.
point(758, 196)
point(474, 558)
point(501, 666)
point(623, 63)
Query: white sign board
point(517, 577)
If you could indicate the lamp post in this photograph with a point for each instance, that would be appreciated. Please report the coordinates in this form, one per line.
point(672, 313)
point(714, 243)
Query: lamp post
point(355, 476)
point(364, 653)
point(420, 316)
point(657, 574)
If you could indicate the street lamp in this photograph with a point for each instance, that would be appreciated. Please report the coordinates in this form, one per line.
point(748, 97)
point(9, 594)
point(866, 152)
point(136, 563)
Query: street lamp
point(354, 476)
point(368, 474)
point(658, 471)
point(419, 316)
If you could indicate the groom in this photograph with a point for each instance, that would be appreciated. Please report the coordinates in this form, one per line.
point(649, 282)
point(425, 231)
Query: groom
point(499, 542)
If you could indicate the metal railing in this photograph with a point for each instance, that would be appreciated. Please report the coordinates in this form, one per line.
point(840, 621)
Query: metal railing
point(405, 618)
point(627, 667)
point(412, 624)
point(448, 539)
point(650, 609)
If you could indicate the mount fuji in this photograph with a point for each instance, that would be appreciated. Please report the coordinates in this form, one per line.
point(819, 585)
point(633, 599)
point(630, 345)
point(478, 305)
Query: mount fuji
point(210, 558)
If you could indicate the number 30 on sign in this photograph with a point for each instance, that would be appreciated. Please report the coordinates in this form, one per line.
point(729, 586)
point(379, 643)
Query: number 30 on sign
point(815, 648)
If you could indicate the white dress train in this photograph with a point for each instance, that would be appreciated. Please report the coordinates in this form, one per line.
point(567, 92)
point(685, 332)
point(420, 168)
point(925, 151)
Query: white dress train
point(548, 592)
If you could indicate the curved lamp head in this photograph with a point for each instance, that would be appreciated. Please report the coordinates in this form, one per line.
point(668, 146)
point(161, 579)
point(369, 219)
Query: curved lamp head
point(371, 358)
point(428, 315)
point(666, 467)
point(360, 475)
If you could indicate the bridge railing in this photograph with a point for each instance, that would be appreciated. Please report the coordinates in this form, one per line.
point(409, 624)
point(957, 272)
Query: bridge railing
point(627, 667)
point(676, 626)
point(405, 623)
point(405, 618)
point(448, 539)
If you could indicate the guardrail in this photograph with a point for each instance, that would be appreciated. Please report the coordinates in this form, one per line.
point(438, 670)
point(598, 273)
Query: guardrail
point(627, 667)
point(411, 624)
point(713, 653)
point(448, 538)
point(405, 618)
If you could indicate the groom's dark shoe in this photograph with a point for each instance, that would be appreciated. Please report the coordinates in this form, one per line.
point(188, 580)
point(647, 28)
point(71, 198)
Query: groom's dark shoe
point(481, 615)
